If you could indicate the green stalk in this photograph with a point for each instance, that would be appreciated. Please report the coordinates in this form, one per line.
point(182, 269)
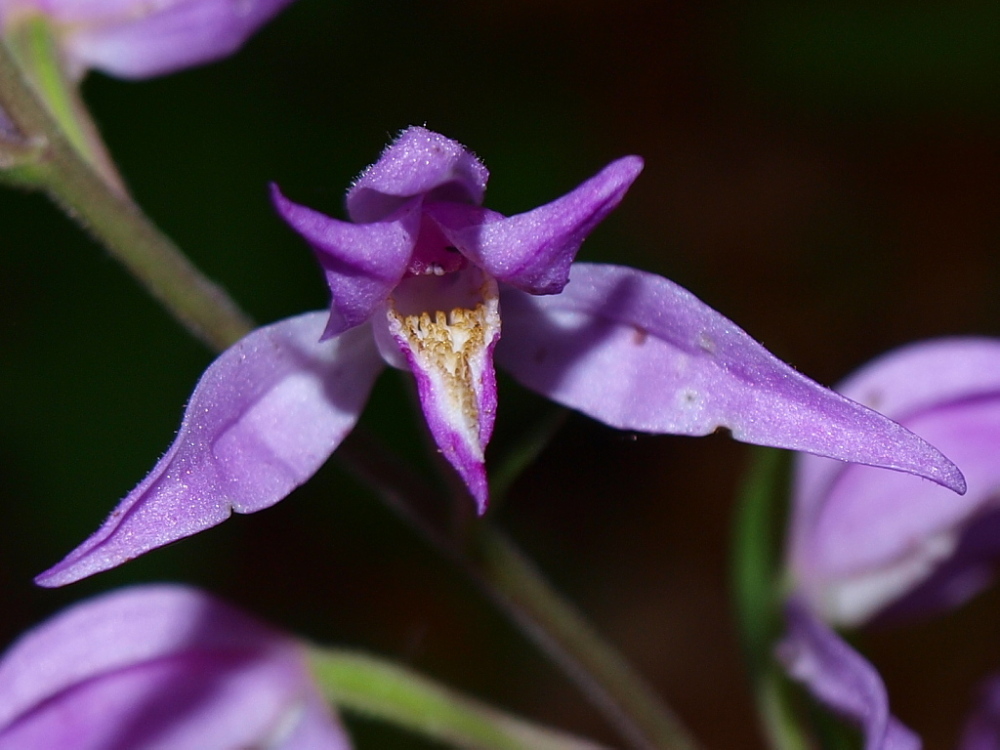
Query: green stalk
point(113, 219)
point(382, 690)
point(33, 44)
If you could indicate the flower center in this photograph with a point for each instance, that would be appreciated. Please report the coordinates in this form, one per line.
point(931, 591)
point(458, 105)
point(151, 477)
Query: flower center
point(446, 327)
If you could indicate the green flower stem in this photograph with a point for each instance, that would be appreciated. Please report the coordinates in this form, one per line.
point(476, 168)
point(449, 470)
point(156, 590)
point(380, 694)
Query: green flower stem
point(758, 591)
point(520, 591)
point(113, 219)
point(381, 690)
point(36, 50)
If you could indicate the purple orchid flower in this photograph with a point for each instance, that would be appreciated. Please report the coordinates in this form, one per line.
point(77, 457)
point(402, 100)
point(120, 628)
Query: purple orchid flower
point(865, 543)
point(418, 280)
point(139, 38)
point(841, 679)
point(160, 666)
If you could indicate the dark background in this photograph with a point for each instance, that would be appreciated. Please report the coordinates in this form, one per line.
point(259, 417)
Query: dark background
point(826, 175)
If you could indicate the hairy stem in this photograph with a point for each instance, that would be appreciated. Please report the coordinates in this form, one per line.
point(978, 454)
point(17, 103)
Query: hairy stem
point(113, 219)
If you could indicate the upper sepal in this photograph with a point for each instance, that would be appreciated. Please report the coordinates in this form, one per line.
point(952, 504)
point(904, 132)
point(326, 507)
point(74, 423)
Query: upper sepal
point(262, 419)
point(421, 163)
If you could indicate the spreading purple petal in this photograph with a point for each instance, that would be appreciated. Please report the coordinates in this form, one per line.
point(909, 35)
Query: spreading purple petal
point(863, 540)
point(421, 163)
point(264, 417)
point(638, 352)
point(842, 679)
point(160, 666)
point(533, 251)
point(362, 262)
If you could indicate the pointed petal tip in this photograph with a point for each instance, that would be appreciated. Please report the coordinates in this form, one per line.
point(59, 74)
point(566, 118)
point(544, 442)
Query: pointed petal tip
point(952, 478)
point(482, 503)
point(630, 165)
point(278, 199)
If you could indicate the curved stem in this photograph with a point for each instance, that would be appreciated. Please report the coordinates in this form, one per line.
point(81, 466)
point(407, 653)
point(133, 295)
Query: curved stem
point(114, 220)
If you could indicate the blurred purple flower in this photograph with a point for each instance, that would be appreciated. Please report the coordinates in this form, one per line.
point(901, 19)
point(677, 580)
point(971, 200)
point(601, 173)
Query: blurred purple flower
point(418, 280)
point(160, 666)
point(841, 679)
point(866, 543)
point(143, 38)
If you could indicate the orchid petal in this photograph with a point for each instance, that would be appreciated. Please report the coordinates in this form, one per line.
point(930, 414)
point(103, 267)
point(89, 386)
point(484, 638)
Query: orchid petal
point(419, 162)
point(262, 419)
point(842, 679)
point(533, 251)
point(362, 262)
point(130, 39)
point(163, 666)
point(446, 328)
point(638, 352)
point(861, 539)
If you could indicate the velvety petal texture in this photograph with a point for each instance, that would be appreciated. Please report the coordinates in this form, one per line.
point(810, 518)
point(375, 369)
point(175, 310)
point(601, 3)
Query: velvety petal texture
point(638, 352)
point(160, 667)
point(418, 164)
point(866, 543)
point(262, 419)
point(139, 38)
point(841, 679)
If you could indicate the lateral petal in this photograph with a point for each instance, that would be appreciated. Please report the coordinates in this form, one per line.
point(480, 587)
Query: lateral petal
point(533, 251)
point(362, 262)
point(262, 419)
point(638, 352)
point(841, 679)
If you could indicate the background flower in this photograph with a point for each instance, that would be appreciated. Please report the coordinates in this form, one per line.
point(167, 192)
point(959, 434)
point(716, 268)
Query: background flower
point(144, 38)
point(862, 541)
point(160, 666)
